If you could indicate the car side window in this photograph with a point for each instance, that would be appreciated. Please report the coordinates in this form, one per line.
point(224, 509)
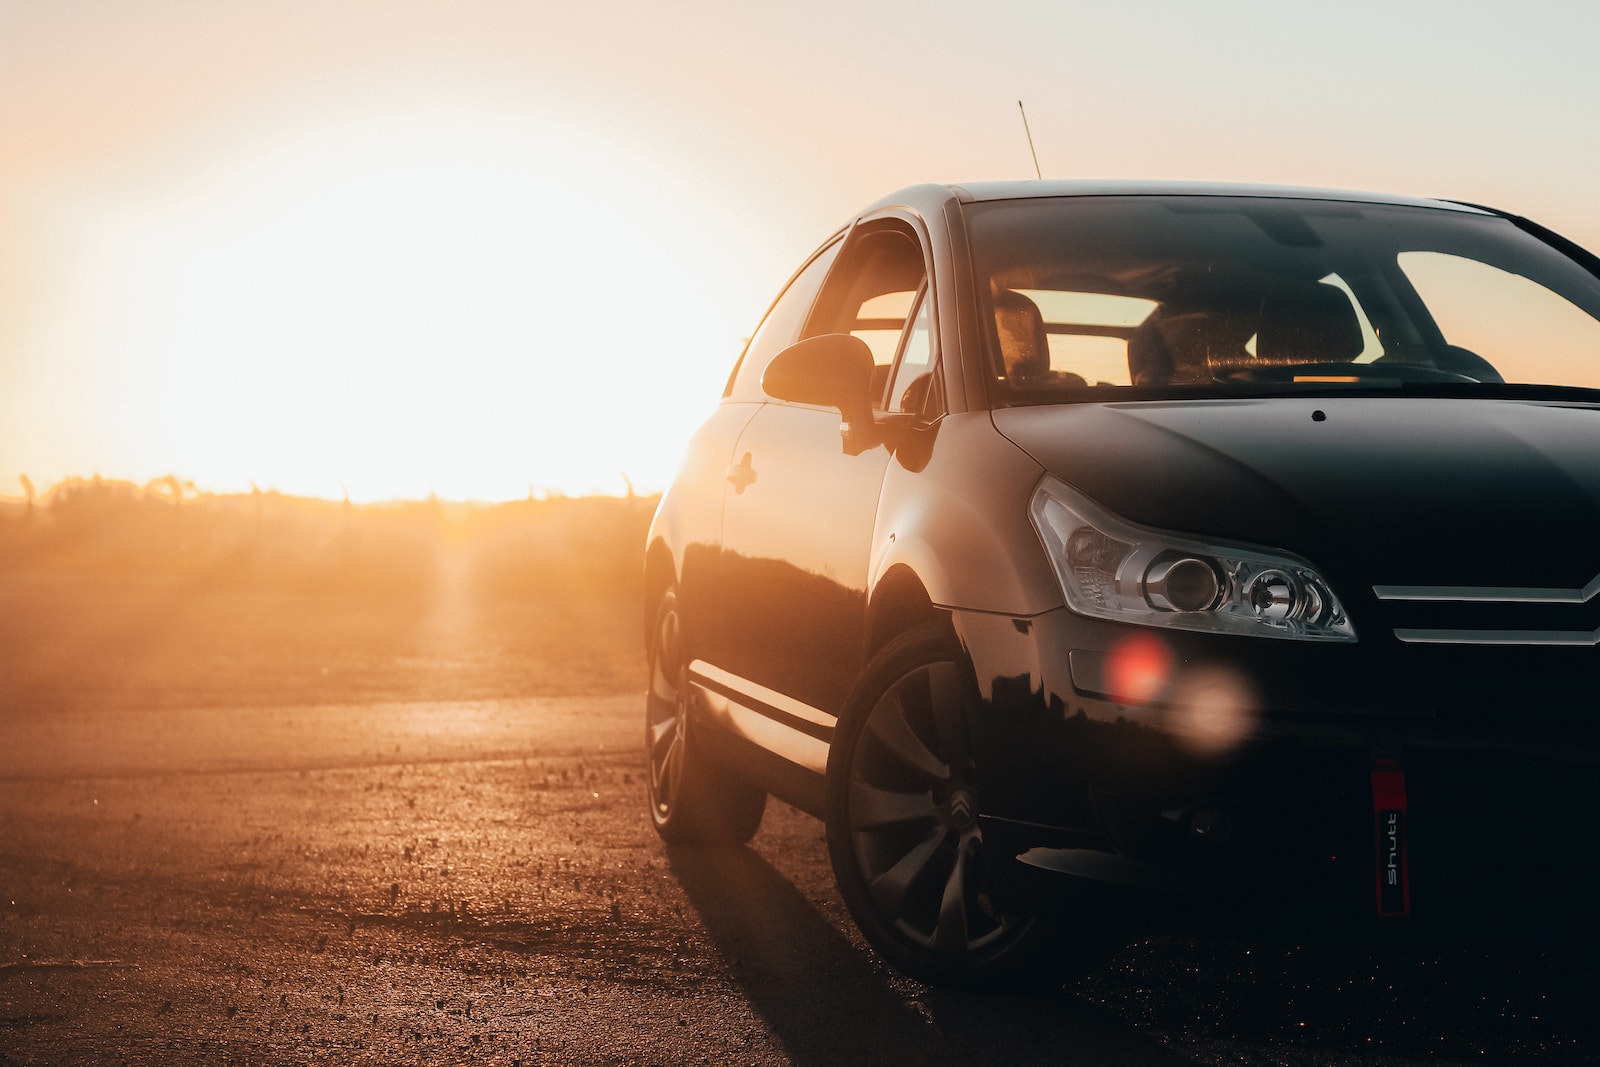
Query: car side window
point(781, 326)
point(913, 378)
point(872, 293)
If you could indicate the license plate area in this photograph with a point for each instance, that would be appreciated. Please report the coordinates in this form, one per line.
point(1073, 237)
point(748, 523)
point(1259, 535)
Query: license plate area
point(1391, 844)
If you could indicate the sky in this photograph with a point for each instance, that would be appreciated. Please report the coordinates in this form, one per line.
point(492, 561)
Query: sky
point(382, 249)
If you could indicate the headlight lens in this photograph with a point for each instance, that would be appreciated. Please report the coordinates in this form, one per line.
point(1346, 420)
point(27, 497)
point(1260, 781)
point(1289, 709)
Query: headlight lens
point(1112, 569)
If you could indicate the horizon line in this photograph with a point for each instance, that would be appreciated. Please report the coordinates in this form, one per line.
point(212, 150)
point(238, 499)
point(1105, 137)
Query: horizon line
point(179, 490)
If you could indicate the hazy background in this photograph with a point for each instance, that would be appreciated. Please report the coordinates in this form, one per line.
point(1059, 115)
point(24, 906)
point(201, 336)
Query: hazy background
point(283, 777)
point(387, 248)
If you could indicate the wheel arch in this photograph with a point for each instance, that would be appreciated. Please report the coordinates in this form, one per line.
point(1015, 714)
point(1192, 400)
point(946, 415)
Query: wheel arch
point(899, 603)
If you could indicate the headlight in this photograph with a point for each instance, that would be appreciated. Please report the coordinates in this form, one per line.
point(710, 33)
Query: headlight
point(1111, 569)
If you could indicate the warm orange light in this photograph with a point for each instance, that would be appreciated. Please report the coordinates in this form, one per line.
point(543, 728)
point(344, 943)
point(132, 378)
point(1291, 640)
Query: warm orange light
point(1139, 669)
point(444, 299)
point(1214, 710)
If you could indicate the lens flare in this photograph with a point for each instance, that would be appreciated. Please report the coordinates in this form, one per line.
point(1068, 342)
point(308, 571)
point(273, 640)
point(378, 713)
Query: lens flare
point(1213, 710)
point(1139, 669)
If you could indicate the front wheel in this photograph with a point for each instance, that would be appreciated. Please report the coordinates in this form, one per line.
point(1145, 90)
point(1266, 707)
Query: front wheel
point(693, 799)
point(904, 797)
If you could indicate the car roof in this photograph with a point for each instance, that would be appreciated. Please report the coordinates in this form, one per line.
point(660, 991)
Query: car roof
point(974, 192)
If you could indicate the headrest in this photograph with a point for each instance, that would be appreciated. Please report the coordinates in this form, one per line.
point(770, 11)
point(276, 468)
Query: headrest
point(1308, 323)
point(1024, 344)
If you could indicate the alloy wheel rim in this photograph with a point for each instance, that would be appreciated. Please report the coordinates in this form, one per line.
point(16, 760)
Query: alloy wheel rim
point(913, 807)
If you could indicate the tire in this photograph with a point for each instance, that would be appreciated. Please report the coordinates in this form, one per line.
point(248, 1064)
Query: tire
point(903, 833)
point(693, 798)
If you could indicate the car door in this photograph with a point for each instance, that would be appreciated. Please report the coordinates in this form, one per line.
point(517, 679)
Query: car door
point(691, 514)
point(801, 502)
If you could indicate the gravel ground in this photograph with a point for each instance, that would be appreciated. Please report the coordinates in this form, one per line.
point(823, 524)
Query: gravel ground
point(444, 858)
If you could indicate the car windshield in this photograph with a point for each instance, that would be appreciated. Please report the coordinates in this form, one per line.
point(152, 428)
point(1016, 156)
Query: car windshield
point(1097, 296)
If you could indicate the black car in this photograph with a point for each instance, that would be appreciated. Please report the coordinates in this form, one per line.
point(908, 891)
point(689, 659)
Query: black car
point(1086, 550)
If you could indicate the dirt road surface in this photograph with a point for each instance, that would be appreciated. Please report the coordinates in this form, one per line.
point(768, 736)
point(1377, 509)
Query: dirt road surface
point(416, 835)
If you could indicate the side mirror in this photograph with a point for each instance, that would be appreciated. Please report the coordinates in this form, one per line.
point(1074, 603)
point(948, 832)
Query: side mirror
point(833, 370)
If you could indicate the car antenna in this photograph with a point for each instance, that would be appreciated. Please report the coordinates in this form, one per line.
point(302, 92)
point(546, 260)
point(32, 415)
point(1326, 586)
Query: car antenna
point(1036, 171)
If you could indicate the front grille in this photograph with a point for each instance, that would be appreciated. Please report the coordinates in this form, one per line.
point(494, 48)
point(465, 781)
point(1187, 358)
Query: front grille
point(1495, 615)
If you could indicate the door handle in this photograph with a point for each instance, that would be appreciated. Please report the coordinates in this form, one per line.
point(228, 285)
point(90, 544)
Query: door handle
point(741, 474)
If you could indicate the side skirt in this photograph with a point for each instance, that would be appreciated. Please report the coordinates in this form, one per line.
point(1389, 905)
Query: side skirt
point(777, 742)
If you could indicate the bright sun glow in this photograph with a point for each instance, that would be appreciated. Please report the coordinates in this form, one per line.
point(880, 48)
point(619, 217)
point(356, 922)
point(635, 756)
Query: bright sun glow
point(468, 304)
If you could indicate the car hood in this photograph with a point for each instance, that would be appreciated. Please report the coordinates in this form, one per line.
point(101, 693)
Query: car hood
point(1372, 490)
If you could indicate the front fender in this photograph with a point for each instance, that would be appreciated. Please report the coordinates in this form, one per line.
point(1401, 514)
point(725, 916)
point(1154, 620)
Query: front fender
point(954, 512)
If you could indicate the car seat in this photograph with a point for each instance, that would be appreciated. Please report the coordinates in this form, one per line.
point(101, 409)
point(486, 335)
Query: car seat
point(1307, 322)
point(1024, 344)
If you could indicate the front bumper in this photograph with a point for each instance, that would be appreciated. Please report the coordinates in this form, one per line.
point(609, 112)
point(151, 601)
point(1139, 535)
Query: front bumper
point(1236, 783)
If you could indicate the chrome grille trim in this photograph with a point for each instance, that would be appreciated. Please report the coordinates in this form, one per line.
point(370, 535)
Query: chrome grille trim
point(1579, 638)
point(1489, 594)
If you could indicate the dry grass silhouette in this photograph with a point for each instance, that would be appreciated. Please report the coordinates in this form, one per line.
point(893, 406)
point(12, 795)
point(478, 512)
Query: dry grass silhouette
point(116, 594)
